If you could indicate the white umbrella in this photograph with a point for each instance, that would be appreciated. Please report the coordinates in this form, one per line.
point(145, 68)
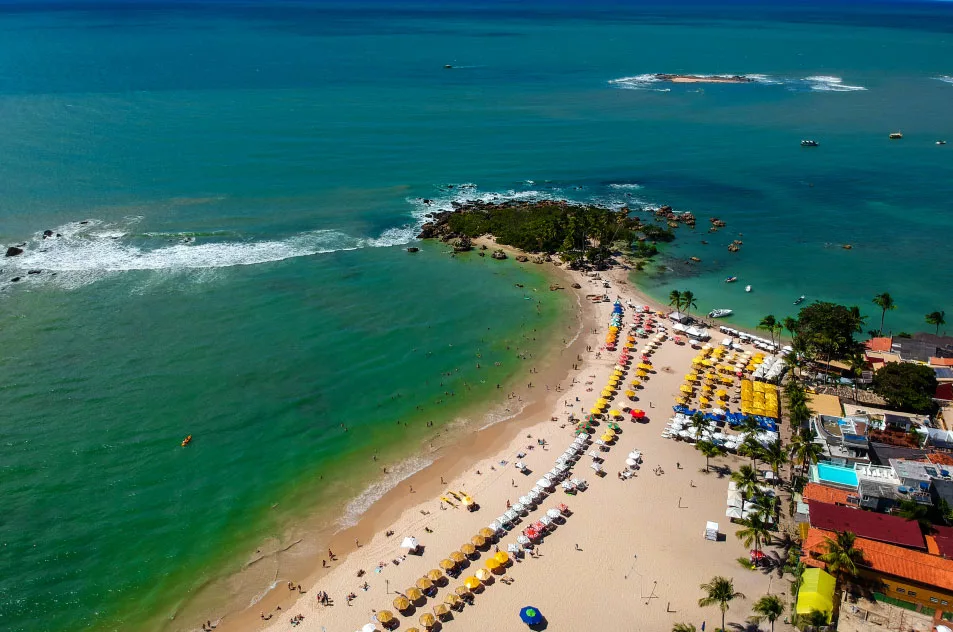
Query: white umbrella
point(567, 485)
point(596, 467)
point(522, 539)
point(562, 468)
point(511, 515)
point(546, 520)
point(494, 526)
point(537, 491)
point(578, 482)
point(553, 513)
point(733, 512)
point(555, 472)
point(544, 483)
point(513, 548)
point(409, 543)
point(595, 454)
point(533, 495)
point(600, 442)
point(518, 508)
point(632, 463)
point(504, 519)
point(635, 454)
point(526, 500)
point(520, 465)
point(369, 627)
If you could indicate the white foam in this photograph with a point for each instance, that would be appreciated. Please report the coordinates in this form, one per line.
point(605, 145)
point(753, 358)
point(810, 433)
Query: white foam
point(818, 83)
point(404, 470)
point(944, 78)
point(630, 187)
point(824, 83)
point(262, 594)
point(88, 252)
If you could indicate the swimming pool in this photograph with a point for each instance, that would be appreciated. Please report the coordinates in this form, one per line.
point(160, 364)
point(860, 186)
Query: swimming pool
point(837, 475)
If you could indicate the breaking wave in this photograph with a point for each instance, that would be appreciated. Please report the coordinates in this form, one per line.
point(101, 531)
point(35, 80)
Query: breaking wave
point(944, 78)
point(818, 83)
point(356, 508)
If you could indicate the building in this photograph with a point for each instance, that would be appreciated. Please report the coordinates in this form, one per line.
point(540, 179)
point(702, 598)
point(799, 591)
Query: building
point(845, 438)
point(916, 579)
point(868, 524)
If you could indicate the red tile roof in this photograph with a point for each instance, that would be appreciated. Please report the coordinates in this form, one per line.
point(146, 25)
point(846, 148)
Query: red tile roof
point(879, 344)
point(867, 524)
point(940, 458)
point(941, 362)
point(888, 559)
point(824, 494)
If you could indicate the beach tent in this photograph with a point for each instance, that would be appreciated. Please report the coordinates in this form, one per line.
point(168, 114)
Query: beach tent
point(410, 543)
point(817, 593)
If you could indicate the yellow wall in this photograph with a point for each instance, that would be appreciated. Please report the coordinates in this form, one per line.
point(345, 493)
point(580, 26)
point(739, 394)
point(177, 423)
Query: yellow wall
point(922, 594)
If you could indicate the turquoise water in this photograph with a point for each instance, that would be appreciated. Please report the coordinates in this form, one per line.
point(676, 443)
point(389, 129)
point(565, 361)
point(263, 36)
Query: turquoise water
point(251, 172)
point(837, 475)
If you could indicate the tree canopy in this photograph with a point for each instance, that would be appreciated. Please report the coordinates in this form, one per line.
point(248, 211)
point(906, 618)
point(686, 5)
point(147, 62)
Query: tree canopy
point(829, 325)
point(906, 386)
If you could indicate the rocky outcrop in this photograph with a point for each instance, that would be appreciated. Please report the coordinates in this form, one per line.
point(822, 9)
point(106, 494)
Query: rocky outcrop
point(462, 244)
point(522, 258)
point(413, 249)
point(13, 251)
point(576, 286)
point(498, 254)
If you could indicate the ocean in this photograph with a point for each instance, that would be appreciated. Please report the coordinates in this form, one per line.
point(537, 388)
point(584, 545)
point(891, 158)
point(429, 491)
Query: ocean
point(231, 186)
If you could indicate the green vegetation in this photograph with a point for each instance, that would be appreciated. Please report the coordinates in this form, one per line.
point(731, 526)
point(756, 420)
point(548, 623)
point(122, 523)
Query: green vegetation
point(842, 558)
point(906, 386)
point(579, 233)
point(936, 318)
point(720, 591)
point(708, 449)
point(683, 627)
point(769, 608)
point(884, 302)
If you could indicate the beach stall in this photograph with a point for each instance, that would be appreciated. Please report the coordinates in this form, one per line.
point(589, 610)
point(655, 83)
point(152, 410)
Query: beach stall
point(817, 593)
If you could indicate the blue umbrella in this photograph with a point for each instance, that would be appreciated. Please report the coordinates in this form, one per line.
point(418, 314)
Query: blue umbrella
point(531, 615)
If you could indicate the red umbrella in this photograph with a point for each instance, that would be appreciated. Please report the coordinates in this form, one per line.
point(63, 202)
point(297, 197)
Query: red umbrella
point(538, 526)
point(638, 414)
point(531, 533)
point(757, 555)
point(562, 507)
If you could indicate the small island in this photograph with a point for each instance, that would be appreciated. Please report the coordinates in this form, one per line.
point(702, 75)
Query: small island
point(704, 78)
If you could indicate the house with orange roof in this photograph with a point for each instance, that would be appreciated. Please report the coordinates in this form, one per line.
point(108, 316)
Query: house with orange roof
point(881, 345)
point(824, 494)
point(915, 579)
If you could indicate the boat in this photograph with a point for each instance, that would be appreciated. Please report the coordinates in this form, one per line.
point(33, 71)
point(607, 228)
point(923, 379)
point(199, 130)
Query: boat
point(731, 279)
point(808, 143)
point(187, 441)
point(896, 136)
point(799, 300)
point(720, 313)
point(747, 288)
point(941, 142)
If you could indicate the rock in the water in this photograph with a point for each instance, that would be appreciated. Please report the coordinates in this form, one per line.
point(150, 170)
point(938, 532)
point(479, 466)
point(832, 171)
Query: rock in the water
point(15, 279)
point(498, 254)
point(462, 244)
point(47, 233)
point(34, 271)
point(427, 231)
point(413, 249)
point(13, 251)
point(85, 221)
point(522, 258)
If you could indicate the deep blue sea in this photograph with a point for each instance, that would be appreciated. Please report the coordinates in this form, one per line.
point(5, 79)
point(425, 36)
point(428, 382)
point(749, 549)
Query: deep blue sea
point(231, 186)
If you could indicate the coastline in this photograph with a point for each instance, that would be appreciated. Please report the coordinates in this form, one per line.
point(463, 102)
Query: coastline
point(475, 463)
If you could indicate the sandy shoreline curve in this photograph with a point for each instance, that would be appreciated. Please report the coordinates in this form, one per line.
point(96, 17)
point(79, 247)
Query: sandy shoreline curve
point(634, 545)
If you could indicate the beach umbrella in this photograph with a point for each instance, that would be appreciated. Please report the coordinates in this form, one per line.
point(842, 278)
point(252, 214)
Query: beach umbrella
point(446, 564)
point(463, 590)
point(518, 508)
point(512, 514)
point(531, 616)
point(424, 584)
point(478, 541)
point(471, 582)
point(632, 463)
point(441, 610)
point(401, 602)
point(427, 620)
point(635, 383)
point(492, 564)
point(502, 557)
point(553, 513)
point(369, 627)
point(630, 393)
point(483, 574)
point(525, 501)
point(410, 543)
point(385, 616)
point(545, 520)
point(522, 539)
point(457, 557)
point(468, 549)
point(563, 508)
point(536, 493)
point(513, 548)
point(486, 533)
point(434, 575)
point(607, 437)
point(413, 593)
point(532, 533)
point(451, 600)
point(495, 526)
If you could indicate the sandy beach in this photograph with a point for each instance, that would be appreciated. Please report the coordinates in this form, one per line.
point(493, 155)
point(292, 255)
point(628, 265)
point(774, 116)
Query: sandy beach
point(631, 554)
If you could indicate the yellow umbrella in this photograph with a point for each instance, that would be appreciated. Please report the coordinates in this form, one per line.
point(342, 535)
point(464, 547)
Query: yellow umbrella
point(595, 411)
point(608, 437)
point(610, 432)
point(468, 549)
point(427, 620)
point(412, 630)
point(424, 584)
point(502, 557)
point(614, 413)
point(478, 541)
point(441, 609)
point(401, 603)
point(385, 616)
point(601, 401)
point(471, 582)
point(457, 557)
point(697, 360)
point(413, 593)
point(630, 393)
point(641, 373)
point(486, 533)
point(636, 383)
point(606, 393)
point(686, 388)
point(447, 564)
point(452, 600)
point(462, 590)
point(483, 574)
point(434, 575)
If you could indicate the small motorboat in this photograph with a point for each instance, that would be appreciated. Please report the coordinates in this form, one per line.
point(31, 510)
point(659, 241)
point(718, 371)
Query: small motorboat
point(731, 279)
point(720, 313)
point(808, 143)
point(747, 288)
point(896, 136)
point(799, 300)
point(187, 441)
point(941, 142)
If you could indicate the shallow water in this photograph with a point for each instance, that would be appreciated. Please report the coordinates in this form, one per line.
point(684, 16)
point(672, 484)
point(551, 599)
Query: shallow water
point(250, 175)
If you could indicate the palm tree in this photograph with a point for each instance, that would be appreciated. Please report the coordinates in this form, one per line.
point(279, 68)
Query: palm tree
point(790, 324)
point(746, 478)
point(699, 423)
point(683, 627)
point(813, 620)
point(884, 302)
point(770, 608)
point(755, 530)
point(688, 301)
point(709, 449)
point(936, 318)
point(767, 324)
point(720, 591)
point(842, 558)
point(912, 510)
point(675, 299)
point(775, 456)
point(805, 451)
point(751, 448)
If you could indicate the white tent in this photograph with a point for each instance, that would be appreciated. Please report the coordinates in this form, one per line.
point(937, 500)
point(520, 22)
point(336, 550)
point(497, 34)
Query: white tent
point(410, 543)
point(679, 317)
